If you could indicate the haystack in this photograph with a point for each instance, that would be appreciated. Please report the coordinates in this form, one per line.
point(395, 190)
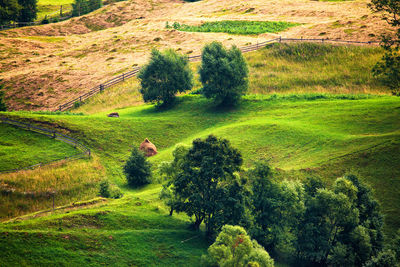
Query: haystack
point(148, 148)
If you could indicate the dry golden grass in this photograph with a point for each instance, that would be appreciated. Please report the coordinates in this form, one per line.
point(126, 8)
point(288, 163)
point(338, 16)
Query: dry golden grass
point(46, 65)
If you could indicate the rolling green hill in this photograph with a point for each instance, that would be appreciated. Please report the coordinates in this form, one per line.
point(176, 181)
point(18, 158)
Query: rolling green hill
point(308, 133)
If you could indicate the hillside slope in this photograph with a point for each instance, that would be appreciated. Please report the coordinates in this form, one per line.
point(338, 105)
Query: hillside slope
point(46, 65)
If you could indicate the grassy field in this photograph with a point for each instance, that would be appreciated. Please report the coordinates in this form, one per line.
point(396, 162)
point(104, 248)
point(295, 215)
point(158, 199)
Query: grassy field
point(237, 27)
point(299, 135)
point(280, 68)
point(34, 149)
point(325, 128)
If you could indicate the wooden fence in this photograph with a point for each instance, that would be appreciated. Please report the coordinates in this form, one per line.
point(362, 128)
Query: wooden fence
point(85, 152)
point(120, 78)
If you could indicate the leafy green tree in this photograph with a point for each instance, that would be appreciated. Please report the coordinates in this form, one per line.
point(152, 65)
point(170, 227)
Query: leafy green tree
point(28, 11)
point(207, 187)
point(165, 75)
point(386, 258)
point(137, 169)
point(9, 10)
point(326, 217)
point(341, 227)
point(80, 7)
point(234, 248)
point(277, 209)
point(3, 106)
point(389, 66)
point(223, 73)
point(169, 171)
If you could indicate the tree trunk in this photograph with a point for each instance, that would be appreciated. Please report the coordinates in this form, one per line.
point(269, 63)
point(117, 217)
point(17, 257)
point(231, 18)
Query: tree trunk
point(171, 211)
point(197, 223)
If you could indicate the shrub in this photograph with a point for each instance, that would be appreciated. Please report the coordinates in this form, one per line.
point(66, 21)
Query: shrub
point(137, 169)
point(165, 75)
point(104, 189)
point(109, 191)
point(223, 74)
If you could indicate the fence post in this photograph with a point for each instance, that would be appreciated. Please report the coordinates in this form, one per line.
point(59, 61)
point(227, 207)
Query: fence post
point(123, 76)
point(80, 99)
point(54, 134)
point(101, 87)
point(59, 108)
point(280, 39)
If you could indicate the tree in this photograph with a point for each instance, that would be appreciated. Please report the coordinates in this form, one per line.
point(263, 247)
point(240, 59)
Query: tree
point(207, 186)
point(165, 75)
point(9, 10)
point(277, 209)
point(3, 106)
point(341, 227)
point(28, 11)
point(169, 171)
point(223, 74)
point(137, 169)
point(389, 66)
point(234, 248)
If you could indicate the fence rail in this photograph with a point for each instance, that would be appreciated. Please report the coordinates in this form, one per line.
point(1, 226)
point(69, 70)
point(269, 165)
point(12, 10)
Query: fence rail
point(85, 152)
point(249, 48)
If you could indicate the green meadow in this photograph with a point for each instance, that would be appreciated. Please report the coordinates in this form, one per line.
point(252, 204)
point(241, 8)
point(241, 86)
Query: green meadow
point(237, 27)
point(326, 128)
point(34, 148)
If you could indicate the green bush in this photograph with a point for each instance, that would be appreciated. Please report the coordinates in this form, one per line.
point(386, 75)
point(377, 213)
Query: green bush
point(223, 73)
point(109, 191)
point(137, 169)
point(165, 75)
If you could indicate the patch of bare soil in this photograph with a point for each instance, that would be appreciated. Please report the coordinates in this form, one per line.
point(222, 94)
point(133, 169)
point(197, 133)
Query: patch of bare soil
point(44, 66)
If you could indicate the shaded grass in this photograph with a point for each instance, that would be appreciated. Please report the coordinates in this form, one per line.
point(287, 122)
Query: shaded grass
point(21, 148)
point(237, 27)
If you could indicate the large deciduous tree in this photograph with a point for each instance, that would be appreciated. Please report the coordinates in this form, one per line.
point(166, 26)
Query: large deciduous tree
point(28, 11)
point(9, 10)
point(207, 187)
point(389, 66)
point(223, 74)
point(165, 75)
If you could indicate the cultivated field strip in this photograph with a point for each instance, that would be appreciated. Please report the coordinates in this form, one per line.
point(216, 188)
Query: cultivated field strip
point(84, 151)
point(249, 48)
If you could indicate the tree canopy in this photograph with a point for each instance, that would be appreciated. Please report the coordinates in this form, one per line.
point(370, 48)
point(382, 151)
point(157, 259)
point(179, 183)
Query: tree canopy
point(223, 74)
point(207, 187)
point(233, 247)
point(165, 75)
point(389, 66)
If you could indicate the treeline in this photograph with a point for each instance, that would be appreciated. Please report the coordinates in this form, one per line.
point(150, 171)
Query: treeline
point(308, 223)
point(17, 11)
